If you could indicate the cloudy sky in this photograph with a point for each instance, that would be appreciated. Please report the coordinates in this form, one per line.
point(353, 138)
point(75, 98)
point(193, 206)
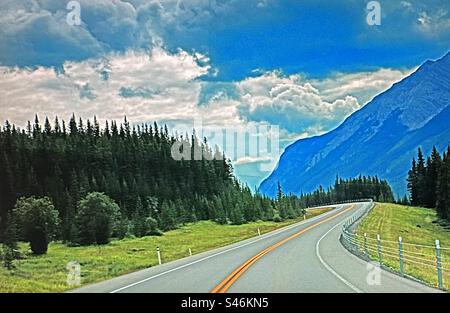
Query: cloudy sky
point(303, 66)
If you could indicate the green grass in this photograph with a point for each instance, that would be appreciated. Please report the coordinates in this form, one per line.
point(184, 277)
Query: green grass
point(47, 273)
point(416, 226)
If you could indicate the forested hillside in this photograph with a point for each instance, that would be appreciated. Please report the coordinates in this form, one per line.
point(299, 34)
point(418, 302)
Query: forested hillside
point(132, 165)
point(83, 184)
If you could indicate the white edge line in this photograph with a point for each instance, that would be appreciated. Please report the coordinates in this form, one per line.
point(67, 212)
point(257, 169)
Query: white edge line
point(329, 267)
point(276, 232)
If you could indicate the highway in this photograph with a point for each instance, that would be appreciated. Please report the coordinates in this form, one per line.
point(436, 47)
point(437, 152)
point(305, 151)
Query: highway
point(304, 257)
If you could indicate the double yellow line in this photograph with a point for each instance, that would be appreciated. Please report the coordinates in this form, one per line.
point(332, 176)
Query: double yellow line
point(231, 279)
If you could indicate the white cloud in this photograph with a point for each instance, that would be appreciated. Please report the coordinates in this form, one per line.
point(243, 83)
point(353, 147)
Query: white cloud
point(166, 86)
point(291, 102)
point(406, 5)
point(433, 23)
point(249, 160)
point(93, 87)
point(362, 85)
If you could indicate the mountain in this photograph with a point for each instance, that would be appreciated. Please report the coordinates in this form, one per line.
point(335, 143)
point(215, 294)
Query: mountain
point(379, 139)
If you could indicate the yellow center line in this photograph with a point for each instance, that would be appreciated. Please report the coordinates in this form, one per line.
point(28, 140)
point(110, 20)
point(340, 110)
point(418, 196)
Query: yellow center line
point(231, 279)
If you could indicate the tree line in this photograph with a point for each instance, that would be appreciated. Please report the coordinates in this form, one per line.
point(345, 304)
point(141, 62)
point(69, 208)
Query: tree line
point(130, 165)
point(429, 181)
point(361, 187)
point(85, 184)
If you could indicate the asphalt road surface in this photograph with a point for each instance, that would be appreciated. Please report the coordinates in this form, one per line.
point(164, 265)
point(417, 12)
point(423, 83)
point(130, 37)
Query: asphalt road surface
point(304, 257)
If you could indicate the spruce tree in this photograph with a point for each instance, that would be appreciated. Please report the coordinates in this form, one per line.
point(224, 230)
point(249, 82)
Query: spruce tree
point(413, 184)
point(443, 187)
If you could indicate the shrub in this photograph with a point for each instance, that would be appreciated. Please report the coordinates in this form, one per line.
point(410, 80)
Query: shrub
point(152, 227)
point(277, 218)
point(37, 221)
point(98, 216)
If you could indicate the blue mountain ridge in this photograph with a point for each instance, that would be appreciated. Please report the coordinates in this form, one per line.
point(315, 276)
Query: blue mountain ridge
point(379, 139)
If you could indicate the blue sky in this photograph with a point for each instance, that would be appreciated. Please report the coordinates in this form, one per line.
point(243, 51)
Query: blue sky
point(301, 65)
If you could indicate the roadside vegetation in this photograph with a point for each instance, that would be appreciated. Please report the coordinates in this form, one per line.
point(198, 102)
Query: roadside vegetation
point(419, 228)
point(106, 197)
point(80, 185)
point(48, 272)
point(423, 218)
point(429, 182)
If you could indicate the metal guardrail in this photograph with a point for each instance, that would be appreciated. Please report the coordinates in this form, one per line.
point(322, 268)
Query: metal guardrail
point(339, 202)
point(411, 260)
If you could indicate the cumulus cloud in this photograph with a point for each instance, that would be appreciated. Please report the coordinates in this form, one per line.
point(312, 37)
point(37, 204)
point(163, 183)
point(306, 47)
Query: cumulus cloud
point(301, 107)
point(96, 86)
point(167, 87)
point(362, 85)
point(291, 102)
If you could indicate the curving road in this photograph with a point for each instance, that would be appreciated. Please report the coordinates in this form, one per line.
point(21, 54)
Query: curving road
point(304, 257)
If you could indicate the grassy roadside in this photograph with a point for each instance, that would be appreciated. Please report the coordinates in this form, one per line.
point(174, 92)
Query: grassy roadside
point(418, 226)
point(48, 273)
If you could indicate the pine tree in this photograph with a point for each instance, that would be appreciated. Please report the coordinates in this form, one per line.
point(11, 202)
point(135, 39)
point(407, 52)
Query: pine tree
point(140, 220)
point(413, 184)
point(168, 216)
point(443, 187)
point(279, 192)
point(421, 179)
point(9, 243)
point(432, 171)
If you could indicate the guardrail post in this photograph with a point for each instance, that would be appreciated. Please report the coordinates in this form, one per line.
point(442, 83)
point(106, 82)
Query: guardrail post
point(439, 264)
point(380, 257)
point(357, 242)
point(366, 251)
point(159, 255)
point(354, 242)
point(400, 254)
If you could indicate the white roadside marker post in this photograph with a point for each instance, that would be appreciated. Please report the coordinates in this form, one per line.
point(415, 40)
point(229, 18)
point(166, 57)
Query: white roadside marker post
point(380, 257)
point(400, 254)
point(158, 252)
point(439, 264)
point(366, 251)
point(259, 232)
point(190, 252)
